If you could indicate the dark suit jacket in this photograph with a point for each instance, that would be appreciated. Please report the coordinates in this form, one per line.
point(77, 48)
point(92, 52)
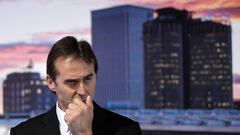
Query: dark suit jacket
point(104, 123)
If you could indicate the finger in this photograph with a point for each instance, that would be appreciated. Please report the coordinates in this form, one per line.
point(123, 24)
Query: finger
point(78, 102)
point(68, 111)
point(89, 101)
point(72, 106)
point(83, 99)
point(66, 118)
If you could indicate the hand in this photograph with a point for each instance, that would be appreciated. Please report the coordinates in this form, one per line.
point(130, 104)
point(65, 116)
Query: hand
point(79, 116)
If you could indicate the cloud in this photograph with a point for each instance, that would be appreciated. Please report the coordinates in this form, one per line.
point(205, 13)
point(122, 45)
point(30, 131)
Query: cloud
point(18, 55)
point(6, 66)
point(232, 13)
point(236, 78)
point(236, 92)
point(52, 36)
point(199, 7)
point(194, 5)
point(8, 1)
point(236, 86)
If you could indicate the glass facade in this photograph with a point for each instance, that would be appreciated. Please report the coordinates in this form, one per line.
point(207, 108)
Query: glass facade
point(117, 42)
point(188, 62)
point(26, 93)
point(163, 42)
point(211, 65)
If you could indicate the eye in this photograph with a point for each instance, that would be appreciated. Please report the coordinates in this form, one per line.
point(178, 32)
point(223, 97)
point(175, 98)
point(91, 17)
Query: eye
point(87, 79)
point(71, 83)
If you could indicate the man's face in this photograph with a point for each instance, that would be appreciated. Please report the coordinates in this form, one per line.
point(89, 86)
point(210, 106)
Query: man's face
point(75, 79)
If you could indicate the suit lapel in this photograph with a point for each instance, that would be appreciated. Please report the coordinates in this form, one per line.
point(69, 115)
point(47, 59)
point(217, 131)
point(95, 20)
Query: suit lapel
point(51, 122)
point(98, 119)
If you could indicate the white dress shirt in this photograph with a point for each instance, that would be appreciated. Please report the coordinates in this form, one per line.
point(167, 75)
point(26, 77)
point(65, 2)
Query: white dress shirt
point(62, 123)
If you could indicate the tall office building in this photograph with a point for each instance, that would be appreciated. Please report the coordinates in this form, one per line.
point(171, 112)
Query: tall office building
point(25, 94)
point(117, 42)
point(187, 62)
point(210, 65)
point(164, 40)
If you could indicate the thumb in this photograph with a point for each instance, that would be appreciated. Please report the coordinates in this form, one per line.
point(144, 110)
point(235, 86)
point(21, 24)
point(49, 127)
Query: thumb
point(89, 101)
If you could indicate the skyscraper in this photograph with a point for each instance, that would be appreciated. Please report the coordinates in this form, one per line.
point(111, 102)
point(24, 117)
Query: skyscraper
point(26, 93)
point(210, 65)
point(164, 40)
point(188, 62)
point(117, 42)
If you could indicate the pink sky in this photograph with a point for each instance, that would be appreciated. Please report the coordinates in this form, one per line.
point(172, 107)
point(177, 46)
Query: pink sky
point(15, 56)
point(44, 20)
point(236, 93)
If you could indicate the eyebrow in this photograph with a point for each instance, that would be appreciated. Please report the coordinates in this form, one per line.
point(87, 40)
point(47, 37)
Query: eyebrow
point(89, 75)
point(72, 80)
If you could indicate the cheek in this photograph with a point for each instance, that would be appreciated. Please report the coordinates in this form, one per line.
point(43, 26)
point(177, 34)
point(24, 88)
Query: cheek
point(92, 88)
point(65, 94)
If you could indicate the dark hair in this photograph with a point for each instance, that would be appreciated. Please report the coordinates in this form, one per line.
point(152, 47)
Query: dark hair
point(69, 46)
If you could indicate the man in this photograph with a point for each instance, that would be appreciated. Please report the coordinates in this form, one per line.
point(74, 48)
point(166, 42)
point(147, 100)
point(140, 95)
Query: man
point(71, 75)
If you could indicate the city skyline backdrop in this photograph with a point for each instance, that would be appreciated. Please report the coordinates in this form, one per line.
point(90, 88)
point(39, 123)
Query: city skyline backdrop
point(30, 32)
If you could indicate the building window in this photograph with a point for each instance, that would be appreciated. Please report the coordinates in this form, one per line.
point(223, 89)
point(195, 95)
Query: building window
point(39, 91)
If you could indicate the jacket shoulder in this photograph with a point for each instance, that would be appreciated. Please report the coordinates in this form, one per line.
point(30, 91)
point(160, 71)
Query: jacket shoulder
point(36, 125)
point(112, 116)
point(114, 124)
point(31, 122)
point(28, 127)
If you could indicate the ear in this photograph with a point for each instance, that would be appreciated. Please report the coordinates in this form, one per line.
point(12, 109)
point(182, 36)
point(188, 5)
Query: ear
point(51, 84)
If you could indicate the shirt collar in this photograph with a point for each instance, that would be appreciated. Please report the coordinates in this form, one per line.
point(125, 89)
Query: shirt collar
point(62, 123)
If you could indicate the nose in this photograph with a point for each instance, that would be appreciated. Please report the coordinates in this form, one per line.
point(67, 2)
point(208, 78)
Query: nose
point(81, 91)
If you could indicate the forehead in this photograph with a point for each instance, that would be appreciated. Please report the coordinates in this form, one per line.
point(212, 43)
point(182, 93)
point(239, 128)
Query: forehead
point(70, 66)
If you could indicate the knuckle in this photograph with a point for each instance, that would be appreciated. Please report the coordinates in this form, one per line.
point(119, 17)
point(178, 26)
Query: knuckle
point(69, 105)
point(76, 100)
point(67, 111)
point(66, 118)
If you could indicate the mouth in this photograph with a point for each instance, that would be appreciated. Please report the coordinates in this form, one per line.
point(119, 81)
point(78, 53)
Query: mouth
point(84, 100)
point(81, 98)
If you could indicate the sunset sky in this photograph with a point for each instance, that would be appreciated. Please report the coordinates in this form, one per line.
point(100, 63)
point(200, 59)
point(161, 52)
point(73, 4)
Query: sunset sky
point(29, 27)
